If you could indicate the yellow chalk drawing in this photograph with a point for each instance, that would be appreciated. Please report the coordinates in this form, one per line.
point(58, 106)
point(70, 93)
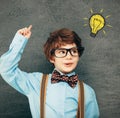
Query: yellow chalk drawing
point(97, 22)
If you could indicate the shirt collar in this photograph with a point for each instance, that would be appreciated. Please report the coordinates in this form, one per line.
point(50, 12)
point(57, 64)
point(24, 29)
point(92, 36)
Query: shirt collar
point(69, 74)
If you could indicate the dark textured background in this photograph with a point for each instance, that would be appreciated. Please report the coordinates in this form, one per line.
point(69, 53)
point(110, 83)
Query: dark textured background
point(99, 65)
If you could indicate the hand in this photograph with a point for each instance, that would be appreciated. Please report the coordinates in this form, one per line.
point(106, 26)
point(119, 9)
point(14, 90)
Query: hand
point(26, 32)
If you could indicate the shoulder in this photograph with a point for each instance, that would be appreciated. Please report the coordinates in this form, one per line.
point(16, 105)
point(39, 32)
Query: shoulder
point(88, 89)
point(90, 102)
point(38, 76)
point(89, 92)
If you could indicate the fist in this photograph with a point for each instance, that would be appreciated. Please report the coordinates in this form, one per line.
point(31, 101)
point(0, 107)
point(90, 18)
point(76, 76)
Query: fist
point(26, 32)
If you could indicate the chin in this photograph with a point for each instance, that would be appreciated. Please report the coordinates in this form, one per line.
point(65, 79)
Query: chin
point(68, 71)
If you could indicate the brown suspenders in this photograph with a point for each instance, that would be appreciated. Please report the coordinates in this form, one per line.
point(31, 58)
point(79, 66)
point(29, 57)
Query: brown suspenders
point(80, 112)
point(43, 95)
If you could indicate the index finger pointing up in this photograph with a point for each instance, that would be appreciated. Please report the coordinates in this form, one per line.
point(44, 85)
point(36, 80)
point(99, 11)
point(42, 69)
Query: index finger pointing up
point(30, 27)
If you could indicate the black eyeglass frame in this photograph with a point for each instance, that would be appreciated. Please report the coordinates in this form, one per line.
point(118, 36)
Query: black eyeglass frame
point(80, 51)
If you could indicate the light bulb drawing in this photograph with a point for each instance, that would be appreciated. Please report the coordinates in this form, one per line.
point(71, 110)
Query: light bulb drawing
point(96, 22)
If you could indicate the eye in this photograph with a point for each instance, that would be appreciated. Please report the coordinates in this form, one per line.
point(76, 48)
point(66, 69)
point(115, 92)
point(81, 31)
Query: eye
point(61, 51)
point(74, 51)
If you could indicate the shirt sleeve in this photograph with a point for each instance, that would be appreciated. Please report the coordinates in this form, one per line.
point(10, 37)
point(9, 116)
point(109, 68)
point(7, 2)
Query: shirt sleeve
point(20, 80)
point(91, 105)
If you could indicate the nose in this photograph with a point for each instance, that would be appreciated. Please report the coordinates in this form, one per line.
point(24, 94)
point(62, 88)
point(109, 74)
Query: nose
point(69, 55)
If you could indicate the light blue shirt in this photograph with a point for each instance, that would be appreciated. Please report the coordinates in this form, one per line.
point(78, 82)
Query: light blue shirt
point(61, 99)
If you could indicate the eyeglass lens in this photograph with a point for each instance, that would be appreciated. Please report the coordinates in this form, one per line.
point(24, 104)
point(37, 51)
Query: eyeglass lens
point(62, 52)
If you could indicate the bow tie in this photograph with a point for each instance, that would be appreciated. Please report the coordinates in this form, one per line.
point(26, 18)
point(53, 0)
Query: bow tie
point(57, 77)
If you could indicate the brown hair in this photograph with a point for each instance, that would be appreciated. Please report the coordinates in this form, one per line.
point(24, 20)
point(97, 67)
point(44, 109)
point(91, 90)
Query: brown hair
point(62, 37)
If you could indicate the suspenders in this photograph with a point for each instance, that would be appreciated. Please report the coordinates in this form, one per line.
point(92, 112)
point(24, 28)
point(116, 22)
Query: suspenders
point(43, 95)
point(80, 111)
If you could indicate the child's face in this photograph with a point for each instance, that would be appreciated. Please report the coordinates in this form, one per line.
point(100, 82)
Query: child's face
point(67, 63)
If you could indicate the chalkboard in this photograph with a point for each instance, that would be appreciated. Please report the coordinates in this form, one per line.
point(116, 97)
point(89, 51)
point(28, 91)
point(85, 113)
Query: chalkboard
point(100, 64)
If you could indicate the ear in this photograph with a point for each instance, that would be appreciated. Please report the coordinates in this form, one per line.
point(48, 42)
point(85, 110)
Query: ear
point(52, 60)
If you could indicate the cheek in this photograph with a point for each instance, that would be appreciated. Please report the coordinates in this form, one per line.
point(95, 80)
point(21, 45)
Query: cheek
point(77, 59)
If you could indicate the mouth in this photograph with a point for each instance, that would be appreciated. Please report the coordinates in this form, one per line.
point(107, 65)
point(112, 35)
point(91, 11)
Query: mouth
point(68, 64)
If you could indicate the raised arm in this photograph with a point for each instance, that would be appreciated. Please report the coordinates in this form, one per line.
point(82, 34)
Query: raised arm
point(21, 81)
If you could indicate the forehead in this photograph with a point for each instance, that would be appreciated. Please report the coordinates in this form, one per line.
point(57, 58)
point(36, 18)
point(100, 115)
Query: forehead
point(67, 46)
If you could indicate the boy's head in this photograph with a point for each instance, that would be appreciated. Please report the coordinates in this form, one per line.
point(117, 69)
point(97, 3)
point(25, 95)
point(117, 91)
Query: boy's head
point(63, 48)
point(62, 37)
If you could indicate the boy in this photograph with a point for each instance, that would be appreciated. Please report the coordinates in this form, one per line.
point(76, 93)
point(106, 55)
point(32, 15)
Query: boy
point(63, 49)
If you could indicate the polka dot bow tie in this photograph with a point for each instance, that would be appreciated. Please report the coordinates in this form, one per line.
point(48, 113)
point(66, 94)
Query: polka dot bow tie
point(71, 80)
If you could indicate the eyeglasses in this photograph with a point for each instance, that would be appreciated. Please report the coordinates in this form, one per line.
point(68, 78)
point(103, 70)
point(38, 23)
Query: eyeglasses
point(62, 52)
